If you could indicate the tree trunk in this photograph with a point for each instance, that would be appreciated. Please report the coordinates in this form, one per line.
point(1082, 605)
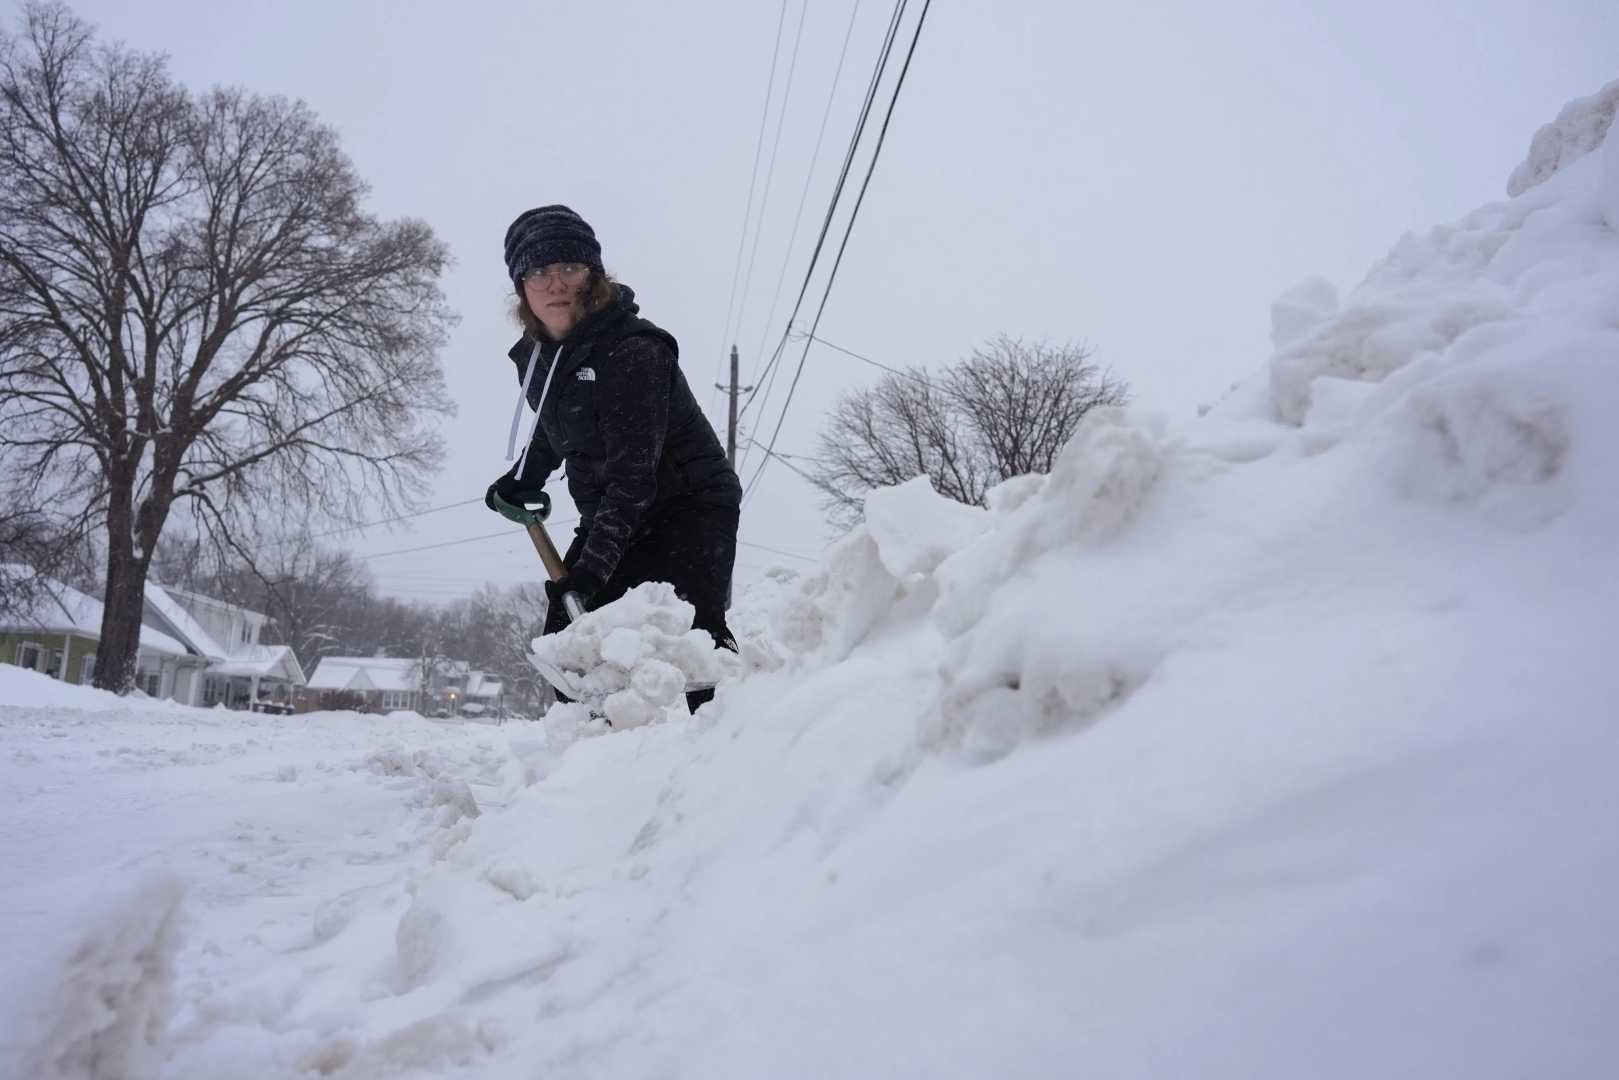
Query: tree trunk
point(117, 656)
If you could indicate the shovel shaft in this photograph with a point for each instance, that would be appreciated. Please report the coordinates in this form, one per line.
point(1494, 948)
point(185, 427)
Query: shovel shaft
point(554, 568)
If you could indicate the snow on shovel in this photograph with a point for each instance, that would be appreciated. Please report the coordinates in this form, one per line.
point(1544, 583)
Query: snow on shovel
point(653, 681)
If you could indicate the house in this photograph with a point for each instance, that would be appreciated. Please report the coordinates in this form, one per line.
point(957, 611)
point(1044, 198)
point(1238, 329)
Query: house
point(457, 687)
point(227, 664)
point(59, 635)
point(193, 648)
point(375, 683)
point(485, 694)
point(383, 684)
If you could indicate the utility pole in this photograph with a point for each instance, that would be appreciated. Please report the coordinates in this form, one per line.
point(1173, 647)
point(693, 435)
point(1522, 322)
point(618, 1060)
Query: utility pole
point(733, 390)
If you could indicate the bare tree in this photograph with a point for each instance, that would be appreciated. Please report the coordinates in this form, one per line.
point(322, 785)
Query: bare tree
point(35, 555)
point(1004, 411)
point(501, 625)
point(316, 595)
point(195, 312)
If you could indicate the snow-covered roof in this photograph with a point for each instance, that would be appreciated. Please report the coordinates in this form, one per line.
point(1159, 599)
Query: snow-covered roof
point(74, 612)
point(365, 673)
point(214, 602)
point(264, 661)
point(483, 684)
point(181, 624)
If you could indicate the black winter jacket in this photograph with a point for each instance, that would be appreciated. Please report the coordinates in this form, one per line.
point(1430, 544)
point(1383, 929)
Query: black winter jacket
point(621, 416)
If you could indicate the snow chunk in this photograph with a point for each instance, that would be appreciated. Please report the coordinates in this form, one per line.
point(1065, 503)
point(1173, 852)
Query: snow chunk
point(1579, 128)
point(623, 647)
point(1006, 684)
point(1008, 495)
point(1483, 434)
point(1098, 482)
point(628, 709)
point(513, 879)
point(1101, 476)
point(634, 649)
point(916, 528)
point(453, 800)
point(419, 941)
point(835, 607)
point(116, 991)
point(1376, 336)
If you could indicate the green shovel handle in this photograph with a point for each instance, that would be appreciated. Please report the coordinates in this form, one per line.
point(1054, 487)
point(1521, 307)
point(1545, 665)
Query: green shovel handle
point(530, 507)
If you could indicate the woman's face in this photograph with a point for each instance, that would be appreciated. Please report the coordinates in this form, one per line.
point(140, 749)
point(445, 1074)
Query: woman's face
point(555, 294)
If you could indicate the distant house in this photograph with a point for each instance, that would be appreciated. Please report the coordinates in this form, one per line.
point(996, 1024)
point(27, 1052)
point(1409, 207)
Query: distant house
point(193, 648)
point(59, 636)
point(383, 684)
point(380, 683)
point(458, 687)
point(235, 669)
point(485, 694)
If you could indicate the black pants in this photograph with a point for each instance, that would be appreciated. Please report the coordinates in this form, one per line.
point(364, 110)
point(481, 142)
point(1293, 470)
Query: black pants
point(692, 548)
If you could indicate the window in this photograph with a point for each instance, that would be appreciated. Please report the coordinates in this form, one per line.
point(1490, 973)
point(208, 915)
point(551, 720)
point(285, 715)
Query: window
point(28, 655)
point(54, 667)
point(210, 691)
point(151, 682)
point(87, 671)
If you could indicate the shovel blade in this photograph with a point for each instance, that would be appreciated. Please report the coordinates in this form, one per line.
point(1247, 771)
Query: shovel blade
point(565, 682)
point(561, 680)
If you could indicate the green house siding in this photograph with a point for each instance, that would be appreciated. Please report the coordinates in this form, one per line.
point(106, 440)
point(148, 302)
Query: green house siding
point(78, 647)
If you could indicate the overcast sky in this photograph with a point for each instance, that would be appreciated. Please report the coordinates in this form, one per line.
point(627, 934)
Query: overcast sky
point(1145, 177)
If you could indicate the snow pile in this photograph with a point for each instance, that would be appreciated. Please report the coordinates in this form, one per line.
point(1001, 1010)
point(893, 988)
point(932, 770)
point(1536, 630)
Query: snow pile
point(637, 654)
point(1473, 346)
point(19, 686)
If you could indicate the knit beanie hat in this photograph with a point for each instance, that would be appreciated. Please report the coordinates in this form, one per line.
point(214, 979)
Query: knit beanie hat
point(546, 235)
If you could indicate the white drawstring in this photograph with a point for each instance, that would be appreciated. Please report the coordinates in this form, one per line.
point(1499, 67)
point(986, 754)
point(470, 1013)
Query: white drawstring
point(522, 395)
point(545, 388)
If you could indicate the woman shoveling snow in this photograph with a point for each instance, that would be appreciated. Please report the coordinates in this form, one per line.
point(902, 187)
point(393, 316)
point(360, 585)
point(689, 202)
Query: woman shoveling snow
point(657, 499)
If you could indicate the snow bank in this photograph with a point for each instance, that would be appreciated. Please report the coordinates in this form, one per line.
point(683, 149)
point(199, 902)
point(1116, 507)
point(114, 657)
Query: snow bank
point(1511, 286)
point(21, 687)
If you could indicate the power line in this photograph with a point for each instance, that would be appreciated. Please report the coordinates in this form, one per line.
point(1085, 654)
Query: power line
point(451, 543)
point(837, 193)
point(777, 551)
point(865, 184)
point(508, 534)
point(362, 526)
point(809, 175)
point(753, 179)
point(787, 460)
point(913, 376)
point(798, 216)
point(770, 170)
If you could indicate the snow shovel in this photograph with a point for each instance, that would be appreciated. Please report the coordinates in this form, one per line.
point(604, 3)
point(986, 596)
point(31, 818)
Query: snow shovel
point(531, 515)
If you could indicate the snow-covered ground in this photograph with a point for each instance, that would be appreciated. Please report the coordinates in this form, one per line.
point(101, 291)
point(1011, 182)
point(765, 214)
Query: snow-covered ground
point(1275, 744)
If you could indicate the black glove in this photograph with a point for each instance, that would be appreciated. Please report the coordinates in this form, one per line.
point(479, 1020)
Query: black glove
point(508, 497)
point(583, 582)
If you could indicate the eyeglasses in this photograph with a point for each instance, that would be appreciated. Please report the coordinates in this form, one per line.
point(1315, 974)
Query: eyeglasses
point(569, 273)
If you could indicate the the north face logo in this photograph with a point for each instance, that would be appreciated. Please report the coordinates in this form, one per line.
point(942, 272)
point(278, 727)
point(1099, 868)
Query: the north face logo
point(585, 374)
